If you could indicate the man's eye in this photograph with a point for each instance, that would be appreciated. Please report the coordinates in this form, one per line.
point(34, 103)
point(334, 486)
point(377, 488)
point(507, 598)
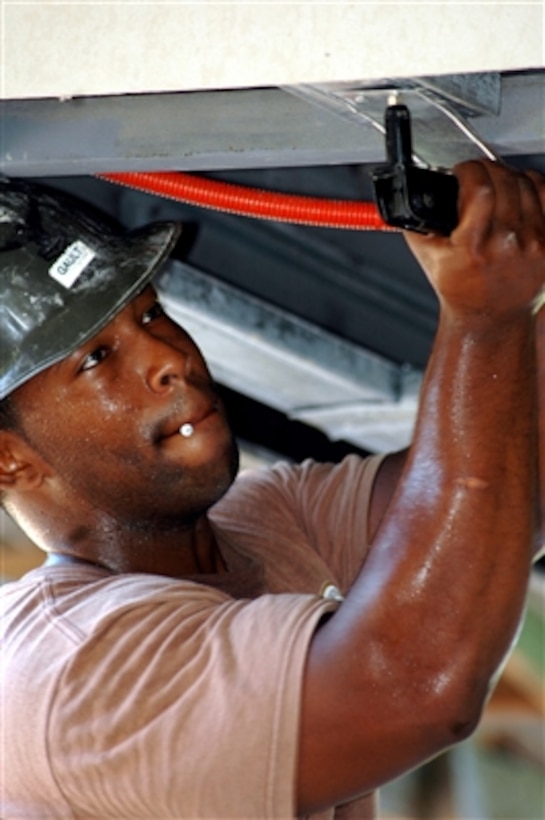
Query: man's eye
point(154, 312)
point(94, 357)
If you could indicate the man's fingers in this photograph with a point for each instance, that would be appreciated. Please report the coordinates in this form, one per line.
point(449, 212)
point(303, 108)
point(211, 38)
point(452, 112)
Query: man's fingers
point(494, 197)
point(538, 180)
point(532, 207)
point(476, 200)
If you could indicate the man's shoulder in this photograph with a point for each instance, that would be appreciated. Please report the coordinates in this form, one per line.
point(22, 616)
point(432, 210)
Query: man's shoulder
point(73, 601)
point(286, 477)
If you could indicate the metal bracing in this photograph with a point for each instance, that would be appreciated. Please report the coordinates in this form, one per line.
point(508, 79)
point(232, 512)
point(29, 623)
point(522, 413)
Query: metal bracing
point(292, 365)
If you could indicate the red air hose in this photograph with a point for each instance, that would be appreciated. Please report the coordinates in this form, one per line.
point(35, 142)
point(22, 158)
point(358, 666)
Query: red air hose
point(253, 202)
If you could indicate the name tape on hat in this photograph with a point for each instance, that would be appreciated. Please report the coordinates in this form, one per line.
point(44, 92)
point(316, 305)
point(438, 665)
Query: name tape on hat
point(71, 263)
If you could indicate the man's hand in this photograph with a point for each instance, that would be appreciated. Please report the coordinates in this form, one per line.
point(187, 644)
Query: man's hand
point(494, 261)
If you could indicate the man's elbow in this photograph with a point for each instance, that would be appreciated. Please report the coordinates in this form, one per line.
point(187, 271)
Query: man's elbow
point(455, 706)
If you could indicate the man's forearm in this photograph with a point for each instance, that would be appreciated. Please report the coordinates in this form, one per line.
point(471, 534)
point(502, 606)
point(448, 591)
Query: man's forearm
point(467, 491)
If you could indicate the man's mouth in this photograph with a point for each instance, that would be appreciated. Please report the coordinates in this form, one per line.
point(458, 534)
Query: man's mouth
point(187, 424)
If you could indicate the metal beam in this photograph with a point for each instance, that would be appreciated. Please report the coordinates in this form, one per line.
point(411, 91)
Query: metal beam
point(292, 365)
point(251, 128)
point(195, 131)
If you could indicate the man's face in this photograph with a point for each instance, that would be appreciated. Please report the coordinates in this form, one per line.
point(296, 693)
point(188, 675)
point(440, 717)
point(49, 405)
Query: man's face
point(106, 420)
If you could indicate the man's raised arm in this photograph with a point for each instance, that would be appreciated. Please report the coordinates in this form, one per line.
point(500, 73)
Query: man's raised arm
point(540, 340)
point(403, 668)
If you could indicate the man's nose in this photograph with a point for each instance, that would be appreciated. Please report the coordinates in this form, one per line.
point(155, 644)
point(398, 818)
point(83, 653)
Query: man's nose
point(164, 365)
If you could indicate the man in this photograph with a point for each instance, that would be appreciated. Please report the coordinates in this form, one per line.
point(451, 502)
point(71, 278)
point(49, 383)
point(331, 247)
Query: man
point(286, 643)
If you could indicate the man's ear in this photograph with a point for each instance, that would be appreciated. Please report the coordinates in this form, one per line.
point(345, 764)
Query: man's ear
point(21, 468)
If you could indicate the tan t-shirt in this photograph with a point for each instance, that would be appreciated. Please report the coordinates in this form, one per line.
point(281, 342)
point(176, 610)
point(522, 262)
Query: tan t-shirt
point(143, 696)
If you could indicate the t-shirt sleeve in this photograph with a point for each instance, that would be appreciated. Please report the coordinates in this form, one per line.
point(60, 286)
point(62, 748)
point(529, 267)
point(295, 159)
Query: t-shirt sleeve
point(185, 705)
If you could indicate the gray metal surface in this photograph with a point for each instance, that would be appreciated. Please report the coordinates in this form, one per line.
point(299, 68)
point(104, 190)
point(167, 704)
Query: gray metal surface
point(195, 131)
point(252, 128)
point(292, 365)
